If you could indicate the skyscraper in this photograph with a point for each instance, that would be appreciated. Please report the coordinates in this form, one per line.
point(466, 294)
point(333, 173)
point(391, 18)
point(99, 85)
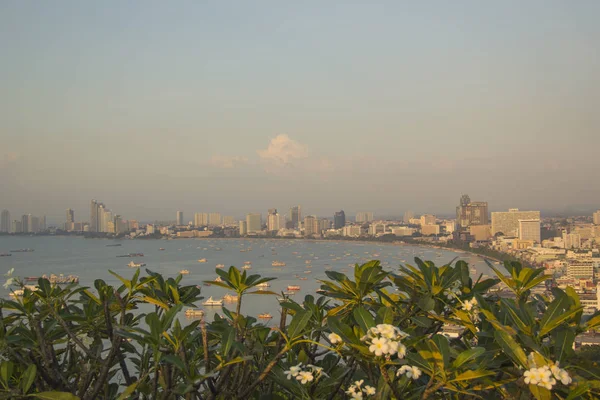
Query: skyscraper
point(364, 217)
point(214, 219)
point(597, 218)
point(273, 220)
point(408, 215)
point(339, 219)
point(26, 223)
point(179, 217)
point(70, 222)
point(17, 226)
point(200, 219)
point(254, 222)
point(243, 228)
point(5, 221)
point(471, 213)
point(310, 227)
point(295, 216)
point(228, 220)
point(428, 219)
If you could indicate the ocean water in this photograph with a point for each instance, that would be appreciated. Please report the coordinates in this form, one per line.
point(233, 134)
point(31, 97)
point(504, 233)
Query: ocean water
point(91, 259)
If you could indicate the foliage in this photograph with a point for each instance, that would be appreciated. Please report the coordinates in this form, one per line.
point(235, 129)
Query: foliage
point(375, 334)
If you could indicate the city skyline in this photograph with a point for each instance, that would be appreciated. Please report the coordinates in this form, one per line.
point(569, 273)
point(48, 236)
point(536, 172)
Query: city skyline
point(245, 108)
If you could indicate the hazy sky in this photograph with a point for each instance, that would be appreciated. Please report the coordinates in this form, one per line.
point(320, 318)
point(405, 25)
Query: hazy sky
point(239, 106)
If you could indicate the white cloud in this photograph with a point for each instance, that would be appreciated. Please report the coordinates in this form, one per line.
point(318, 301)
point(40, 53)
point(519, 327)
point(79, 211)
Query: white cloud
point(227, 162)
point(283, 151)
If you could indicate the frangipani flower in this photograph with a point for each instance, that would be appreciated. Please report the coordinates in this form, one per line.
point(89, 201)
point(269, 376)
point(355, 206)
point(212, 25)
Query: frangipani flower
point(334, 338)
point(293, 371)
point(410, 371)
point(305, 377)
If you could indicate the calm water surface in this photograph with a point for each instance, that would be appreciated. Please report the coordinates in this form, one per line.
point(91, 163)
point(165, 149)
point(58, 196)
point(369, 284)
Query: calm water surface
point(91, 259)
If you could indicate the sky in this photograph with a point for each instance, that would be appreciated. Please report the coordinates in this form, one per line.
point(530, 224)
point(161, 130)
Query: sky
point(238, 106)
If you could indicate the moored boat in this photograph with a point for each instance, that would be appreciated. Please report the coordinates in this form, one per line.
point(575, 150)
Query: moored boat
point(278, 263)
point(293, 287)
point(264, 285)
point(220, 266)
point(265, 316)
point(191, 312)
point(136, 265)
point(212, 302)
point(202, 260)
point(5, 255)
point(184, 272)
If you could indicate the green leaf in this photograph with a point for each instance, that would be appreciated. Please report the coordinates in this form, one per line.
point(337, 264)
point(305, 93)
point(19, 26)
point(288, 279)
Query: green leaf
point(580, 389)
point(470, 375)
point(125, 282)
point(553, 324)
point(426, 303)
point(54, 396)
point(298, 324)
point(227, 341)
point(156, 302)
point(540, 393)
point(363, 318)
point(175, 360)
point(385, 315)
point(129, 391)
point(6, 370)
point(563, 345)
point(442, 344)
point(28, 378)
point(468, 356)
point(511, 348)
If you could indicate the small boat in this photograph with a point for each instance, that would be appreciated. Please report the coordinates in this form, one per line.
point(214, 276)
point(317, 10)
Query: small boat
point(133, 255)
point(218, 279)
point(473, 270)
point(247, 266)
point(191, 312)
point(303, 278)
point(247, 262)
point(202, 260)
point(22, 251)
point(293, 287)
point(220, 265)
point(184, 272)
point(114, 245)
point(278, 263)
point(60, 279)
point(307, 261)
point(5, 255)
point(229, 298)
point(161, 249)
point(263, 285)
point(265, 316)
point(212, 302)
point(308, 272)
point(320, 291)
point(136, 265)
point(289, 293)
point(31, 278)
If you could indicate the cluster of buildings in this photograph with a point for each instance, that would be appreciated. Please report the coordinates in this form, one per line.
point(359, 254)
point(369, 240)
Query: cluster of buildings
point(26, 224)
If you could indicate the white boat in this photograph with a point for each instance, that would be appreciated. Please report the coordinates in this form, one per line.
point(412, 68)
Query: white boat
point(230, 298)
point(293, 287)
point(191, 312)
point(265, 316)
point(247, 266)
point(202, 260)
point(184, 272)
point(473, 270)
point(135, 265)
point(263, 285)
point(220, 265)
point(212, 302)
point(278, 263)
point(307, 262)
point(218, 279)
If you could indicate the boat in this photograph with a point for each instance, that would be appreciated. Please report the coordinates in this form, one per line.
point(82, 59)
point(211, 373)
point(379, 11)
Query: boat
point(289, 293)
point(132, 255)
point(5, 255)
point(265, 316)
point(220, 266)
point(114, 245)
point(293, 287)
point(246, 266)
point(218, 279)
point(307, 262)
point(22, 251)
point(161, 249)
point(278, 263)
point(247, 262)
point(303, 278)
point(473, 270)
point(202, 260)
point(212, 302)
point(191, 312)
point(184, 272)
point(307, 272)
point(60, 279)
point(263, 285)
point(135, 265)
point(230, 298)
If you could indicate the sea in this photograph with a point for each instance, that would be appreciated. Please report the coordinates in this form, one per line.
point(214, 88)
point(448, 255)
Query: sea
point(306, 262)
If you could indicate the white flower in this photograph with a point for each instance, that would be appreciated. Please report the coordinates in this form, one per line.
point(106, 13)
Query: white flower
point(531, 360)
point(293, 371)
point(334, 338)
point(10, 272)
point(531, 376)
point(387, 331)
point(85, 339)
point(358, 383)
point(560, 374)
point(411, 372)
point(9, 282)
point(379, 346)
point(356, 395)
point(470, 304)
point(392, 347)
point(369, 390)
point(351, 390)
point(401, 350)
point(315, 370)
point(304, 377)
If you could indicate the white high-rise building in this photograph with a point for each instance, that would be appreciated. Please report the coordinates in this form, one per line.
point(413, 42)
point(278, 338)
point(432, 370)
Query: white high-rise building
point(228, 220)
point(596, 217)
point(530, 229)
point(309, 225)
point(364, 217)
point(70, 223)
point(243, 228)
point(214, 219)
point(5, 221)
point(508, 222)
point(200, 219)
point(179, 220)
point(428, 219)
point(254, 222)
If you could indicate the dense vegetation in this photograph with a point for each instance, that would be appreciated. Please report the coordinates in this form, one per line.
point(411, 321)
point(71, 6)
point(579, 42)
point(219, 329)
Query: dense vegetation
point(374, 335)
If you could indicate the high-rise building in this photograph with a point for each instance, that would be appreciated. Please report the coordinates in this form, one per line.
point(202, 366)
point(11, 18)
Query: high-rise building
point(5, 221)
point(254, 222)
point(471, 213)
point(296, 216)
point(228, 220)
point(200, 219)
point(530, 229)
point(428, 219)
point(571, 240)
point(94, 221)
point(309, 225)
point(214, 219)
point(179, 220)
point(507, 223)
point(376, 229)
point(364, 217)
point(339, 219)
point(243, 228)
point(35, 224)
point(597, 218)
point(17, 226)
point(273, 220)
point(70, 222)
point(408, 215)
point(26, 223)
